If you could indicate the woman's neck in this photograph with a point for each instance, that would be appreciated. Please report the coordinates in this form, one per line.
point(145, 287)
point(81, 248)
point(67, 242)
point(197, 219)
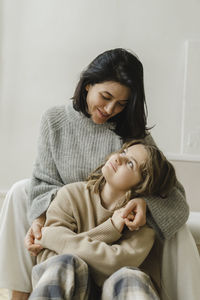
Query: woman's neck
point(111, 197)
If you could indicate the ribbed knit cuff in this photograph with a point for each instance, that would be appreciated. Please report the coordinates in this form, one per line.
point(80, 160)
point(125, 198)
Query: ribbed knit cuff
point(52, 239)
point(105, 232)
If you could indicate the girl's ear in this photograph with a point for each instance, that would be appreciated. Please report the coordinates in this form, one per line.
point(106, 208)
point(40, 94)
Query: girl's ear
point(128, 195)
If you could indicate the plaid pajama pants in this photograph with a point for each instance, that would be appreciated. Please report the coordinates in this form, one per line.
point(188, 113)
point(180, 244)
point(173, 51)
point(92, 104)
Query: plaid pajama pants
point(67, 277)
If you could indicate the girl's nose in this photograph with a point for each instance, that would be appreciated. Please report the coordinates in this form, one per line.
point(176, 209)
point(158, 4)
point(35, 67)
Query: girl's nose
point(119, 159)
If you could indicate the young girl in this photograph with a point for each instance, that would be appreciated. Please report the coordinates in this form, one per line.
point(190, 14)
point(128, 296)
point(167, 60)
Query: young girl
point(85, 227)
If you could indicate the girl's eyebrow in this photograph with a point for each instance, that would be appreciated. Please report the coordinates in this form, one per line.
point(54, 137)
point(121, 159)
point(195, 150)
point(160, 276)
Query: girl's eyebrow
point(131, 157)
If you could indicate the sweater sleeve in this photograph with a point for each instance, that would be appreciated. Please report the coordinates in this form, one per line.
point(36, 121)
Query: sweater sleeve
point(45, 179)
point(167, 215)
point(60, 217)
point(61, 225)
point(104, 259)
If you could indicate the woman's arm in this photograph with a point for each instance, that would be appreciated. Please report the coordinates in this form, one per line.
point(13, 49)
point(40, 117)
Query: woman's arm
point(45, 182)
point(45, 179)
point(165, 215)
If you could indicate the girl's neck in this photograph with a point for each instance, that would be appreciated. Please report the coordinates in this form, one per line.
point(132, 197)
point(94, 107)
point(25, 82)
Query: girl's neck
point(110, 198)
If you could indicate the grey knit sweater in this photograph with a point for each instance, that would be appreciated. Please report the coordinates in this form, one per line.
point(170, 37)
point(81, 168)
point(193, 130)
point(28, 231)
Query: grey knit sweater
point(70, 146)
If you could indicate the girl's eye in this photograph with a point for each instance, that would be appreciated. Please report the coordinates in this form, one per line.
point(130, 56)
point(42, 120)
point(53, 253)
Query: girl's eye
point(130, 163)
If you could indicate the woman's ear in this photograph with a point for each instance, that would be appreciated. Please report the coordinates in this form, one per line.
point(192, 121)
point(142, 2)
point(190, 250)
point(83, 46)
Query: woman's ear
point(87, 87)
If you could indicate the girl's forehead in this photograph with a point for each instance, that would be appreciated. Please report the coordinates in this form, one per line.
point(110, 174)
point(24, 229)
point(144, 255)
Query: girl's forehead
point(138, 152)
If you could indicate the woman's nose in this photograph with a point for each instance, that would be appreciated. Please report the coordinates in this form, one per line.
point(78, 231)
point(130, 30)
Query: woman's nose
point(109, 107)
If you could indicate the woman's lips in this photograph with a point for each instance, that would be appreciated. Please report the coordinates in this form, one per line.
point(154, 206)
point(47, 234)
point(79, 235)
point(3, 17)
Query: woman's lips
point(102, 115)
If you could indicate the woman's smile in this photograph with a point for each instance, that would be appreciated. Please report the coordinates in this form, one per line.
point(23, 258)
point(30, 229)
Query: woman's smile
point(102, 115)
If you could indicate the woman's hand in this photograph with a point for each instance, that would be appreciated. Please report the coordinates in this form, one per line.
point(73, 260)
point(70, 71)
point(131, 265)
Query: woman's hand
point(33, 233)
point(136, 207)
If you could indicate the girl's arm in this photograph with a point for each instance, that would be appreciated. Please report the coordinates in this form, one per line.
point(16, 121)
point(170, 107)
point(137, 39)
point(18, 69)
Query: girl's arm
point(60, 236)
point(104, 259)
point(60, 217)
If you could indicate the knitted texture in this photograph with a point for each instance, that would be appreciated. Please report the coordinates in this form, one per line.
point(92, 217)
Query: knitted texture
point(78, 224)
point(70, 146)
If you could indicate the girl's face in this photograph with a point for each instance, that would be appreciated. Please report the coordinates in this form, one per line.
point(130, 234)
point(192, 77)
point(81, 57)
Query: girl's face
point(122, 170)
point(105, 100)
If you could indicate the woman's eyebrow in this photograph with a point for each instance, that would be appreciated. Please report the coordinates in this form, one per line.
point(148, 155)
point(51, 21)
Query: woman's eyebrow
point(108, 93)
point(113, 96)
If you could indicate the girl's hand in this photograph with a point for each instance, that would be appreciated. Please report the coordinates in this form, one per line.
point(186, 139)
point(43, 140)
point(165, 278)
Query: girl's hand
point(137, 208)
point(33, 233)
point(117, 219)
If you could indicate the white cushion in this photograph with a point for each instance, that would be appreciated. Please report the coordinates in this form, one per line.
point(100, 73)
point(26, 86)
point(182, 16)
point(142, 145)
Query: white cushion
point(194, 225)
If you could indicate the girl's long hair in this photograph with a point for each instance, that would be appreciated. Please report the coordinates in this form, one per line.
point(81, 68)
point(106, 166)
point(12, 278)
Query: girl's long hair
point(157, 173)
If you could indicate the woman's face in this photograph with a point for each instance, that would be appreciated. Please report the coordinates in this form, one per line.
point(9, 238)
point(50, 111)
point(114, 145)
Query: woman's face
point(106, 99)
point(122, 170)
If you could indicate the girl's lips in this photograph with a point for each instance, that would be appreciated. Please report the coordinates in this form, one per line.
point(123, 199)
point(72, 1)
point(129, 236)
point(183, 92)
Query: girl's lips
point(113, 166)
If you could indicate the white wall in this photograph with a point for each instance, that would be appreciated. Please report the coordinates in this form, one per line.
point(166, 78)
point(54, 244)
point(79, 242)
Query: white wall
point(188, 173)
point(46, 43)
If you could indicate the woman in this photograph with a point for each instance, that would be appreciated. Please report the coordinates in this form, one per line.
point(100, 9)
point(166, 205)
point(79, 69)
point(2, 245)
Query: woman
point(108, 109)
point(84, 222)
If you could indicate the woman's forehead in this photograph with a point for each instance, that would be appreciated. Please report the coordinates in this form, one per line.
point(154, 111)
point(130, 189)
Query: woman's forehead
point(116, 89)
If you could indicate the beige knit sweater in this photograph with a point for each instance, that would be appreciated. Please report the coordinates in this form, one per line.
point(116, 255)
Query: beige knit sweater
point(78, 224)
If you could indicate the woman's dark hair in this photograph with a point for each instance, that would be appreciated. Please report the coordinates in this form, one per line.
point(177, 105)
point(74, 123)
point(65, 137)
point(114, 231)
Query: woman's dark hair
point(121, 66)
